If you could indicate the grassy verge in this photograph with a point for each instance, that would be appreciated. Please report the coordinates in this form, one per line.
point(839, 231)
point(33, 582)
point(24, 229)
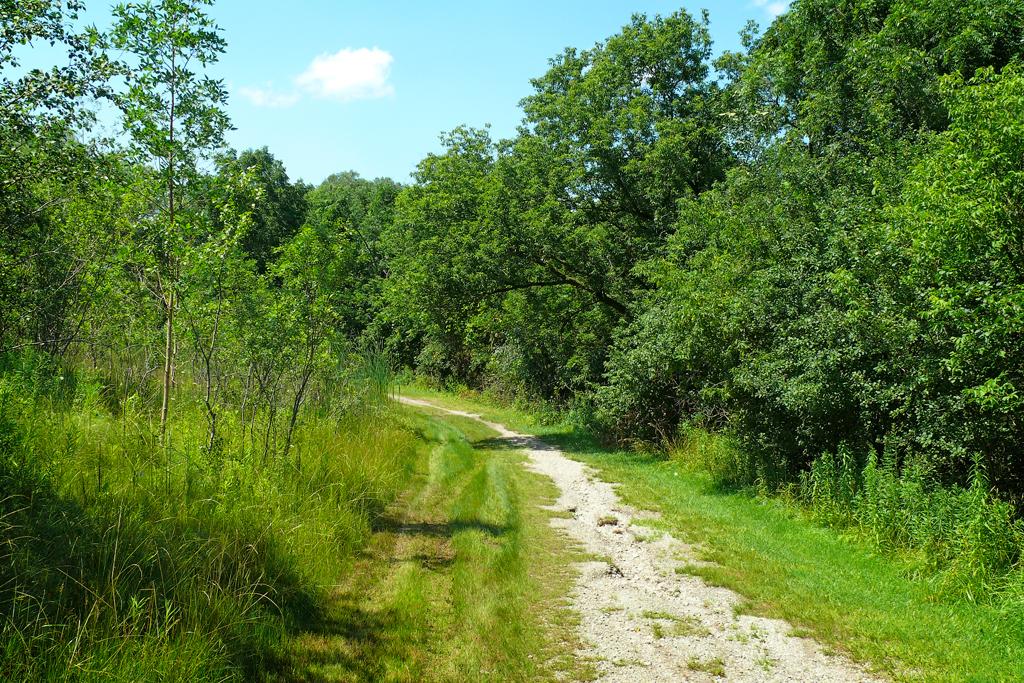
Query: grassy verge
point(122, 560)
point(384, 545)
point(464, 578)
point(837, 588)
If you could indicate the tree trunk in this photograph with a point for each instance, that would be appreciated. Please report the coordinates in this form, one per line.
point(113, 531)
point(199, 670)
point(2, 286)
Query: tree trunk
point(296, 405)
point(165, 404)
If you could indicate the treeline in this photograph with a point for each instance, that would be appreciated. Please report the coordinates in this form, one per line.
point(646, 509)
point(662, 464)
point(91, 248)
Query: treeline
point(811, 248)
point(813, 245)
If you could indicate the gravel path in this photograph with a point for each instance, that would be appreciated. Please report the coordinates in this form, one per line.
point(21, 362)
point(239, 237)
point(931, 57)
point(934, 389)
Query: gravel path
point(643, 621)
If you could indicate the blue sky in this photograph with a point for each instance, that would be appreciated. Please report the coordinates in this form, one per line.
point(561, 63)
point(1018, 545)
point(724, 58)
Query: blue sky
point(334, 85)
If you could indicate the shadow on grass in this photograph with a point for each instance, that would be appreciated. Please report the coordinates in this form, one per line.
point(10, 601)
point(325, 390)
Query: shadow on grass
point(435, 530)
point(362, 637)
point(349, 643)
point(513, 443)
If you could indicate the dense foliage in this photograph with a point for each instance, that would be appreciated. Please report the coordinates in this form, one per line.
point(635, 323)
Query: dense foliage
point(811, 248)
point(817, 246)
point(192, 441)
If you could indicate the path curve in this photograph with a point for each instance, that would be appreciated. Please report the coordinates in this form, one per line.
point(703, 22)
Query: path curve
point(641, 621)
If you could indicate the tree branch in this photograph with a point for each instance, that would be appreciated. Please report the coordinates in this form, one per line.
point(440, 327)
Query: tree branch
point(525, 285)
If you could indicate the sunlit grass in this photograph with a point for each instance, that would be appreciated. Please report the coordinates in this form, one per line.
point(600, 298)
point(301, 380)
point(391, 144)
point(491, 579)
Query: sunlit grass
point(464, 579)
point(837, 588)
point(123, 560)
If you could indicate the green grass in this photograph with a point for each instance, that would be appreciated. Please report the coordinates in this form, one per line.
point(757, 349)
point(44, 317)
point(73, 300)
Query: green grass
point(121, 560)
point(836, 588)
point(383, 546)
point(464, 578)
point(714, 666)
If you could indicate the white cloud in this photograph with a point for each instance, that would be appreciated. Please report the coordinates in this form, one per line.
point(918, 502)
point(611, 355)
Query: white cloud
point(267, 97)
point(349, 74)
point(772, 7)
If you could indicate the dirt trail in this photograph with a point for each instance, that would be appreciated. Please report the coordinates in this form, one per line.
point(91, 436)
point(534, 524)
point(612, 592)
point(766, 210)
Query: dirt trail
point(642, 620)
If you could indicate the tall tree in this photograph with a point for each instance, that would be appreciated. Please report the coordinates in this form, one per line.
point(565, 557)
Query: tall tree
point(613, 137)
point(359, 210)
point(498, 236)
point(42, 166)
point(175, 119)
point(858, 75)
point(442, 253)
point(276, 205)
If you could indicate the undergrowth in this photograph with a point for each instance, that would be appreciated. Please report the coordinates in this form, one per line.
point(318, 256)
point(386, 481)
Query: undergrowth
point(965, 542)
point(121, 559)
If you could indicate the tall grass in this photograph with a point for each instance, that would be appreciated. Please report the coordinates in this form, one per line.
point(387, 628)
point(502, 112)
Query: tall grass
point(969, 542)
point(965, 542)
point(124, 560)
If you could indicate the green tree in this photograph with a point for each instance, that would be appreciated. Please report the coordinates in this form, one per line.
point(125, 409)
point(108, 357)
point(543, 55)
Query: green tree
point(38, 98)
point(860, 75)
point(175, 118)
point(42, 165)
point(276, 205)
point(359, 211)
point(215, 270)
point(612, 138)
point(963, 213)
point(443, 256)
point(317, 283)
point(494, 238)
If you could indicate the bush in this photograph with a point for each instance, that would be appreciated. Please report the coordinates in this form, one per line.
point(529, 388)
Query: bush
point(718, 456)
